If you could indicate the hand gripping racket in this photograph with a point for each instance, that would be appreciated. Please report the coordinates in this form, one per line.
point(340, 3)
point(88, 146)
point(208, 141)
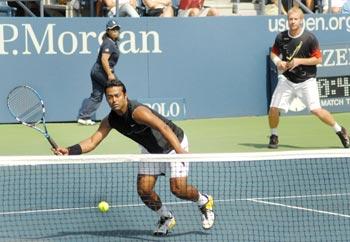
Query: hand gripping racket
point(28, 108)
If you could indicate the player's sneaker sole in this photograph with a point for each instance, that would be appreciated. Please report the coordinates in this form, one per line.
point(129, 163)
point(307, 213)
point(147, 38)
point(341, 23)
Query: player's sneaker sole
point(165, 226)
point(273, 144)
point(208, 216)
point(86, 122)
point(344, 137)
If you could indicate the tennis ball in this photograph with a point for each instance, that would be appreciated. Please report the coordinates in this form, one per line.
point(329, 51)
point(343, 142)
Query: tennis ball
point(103, 206)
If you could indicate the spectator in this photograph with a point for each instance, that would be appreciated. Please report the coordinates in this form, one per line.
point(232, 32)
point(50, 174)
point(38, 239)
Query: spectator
point(159, 8)
point(346, 8)
point(108, 8)
point(195, 8)
point(288, 4)
point(336, 6)
point(102, 72)
point(5, 9)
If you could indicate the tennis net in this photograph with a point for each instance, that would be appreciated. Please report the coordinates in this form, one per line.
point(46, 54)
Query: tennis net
point(267, 196)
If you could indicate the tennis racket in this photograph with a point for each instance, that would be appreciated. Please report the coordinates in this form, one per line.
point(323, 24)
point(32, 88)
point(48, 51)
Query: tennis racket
point(28, 108)
point(295, 52)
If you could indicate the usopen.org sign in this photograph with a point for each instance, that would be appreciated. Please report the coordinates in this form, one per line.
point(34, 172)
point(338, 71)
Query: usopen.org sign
point(55, 39)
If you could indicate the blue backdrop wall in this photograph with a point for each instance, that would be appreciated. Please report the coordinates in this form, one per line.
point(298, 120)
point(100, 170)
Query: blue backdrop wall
point(183, 67)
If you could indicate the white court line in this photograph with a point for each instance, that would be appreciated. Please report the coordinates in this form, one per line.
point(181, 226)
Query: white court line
point(83, 208)
point(300, 208)
point(179, 203)
point(300, 196)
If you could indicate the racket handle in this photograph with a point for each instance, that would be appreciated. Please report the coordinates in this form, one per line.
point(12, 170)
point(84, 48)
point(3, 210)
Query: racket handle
point(52, 142)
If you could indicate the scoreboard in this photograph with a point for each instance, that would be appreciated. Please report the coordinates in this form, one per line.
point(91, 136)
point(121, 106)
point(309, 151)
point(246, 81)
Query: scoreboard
point(334, 86)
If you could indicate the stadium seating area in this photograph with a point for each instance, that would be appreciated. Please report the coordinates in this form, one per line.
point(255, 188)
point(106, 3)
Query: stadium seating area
point(87, 8)
point(74, 8)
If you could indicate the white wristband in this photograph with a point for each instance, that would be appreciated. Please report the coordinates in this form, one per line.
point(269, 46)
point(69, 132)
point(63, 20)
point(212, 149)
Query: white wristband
point(276, 59)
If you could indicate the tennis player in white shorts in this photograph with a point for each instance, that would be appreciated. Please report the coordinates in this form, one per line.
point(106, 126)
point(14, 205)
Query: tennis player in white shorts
point(286, 91)
point(296, 54)
point(177, 169)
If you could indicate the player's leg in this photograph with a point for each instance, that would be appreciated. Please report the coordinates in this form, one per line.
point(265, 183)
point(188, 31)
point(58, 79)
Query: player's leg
point(328, 119)
point(310, 96)
point(145, 186)
point(181, 189)
point(281, 98)
point(147, 178)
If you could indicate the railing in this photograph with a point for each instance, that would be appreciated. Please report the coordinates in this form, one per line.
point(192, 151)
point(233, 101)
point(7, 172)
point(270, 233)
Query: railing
point(27, 10)
point(261, 3)
point(260, 6)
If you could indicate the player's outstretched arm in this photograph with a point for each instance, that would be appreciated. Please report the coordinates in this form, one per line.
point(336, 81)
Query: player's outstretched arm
point(88, 144)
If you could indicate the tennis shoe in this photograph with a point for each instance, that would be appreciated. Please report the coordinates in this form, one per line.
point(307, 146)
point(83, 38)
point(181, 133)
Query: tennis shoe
point(344, 137)
point(164, 226)
point(86, 122)
point(208, 216)
point(273, 142)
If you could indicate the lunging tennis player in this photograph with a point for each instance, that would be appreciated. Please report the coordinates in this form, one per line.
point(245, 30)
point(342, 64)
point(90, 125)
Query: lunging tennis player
point(156, 135)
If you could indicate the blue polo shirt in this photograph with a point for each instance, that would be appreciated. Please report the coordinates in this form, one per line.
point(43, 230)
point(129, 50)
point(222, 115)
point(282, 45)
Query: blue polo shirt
point(111, 47)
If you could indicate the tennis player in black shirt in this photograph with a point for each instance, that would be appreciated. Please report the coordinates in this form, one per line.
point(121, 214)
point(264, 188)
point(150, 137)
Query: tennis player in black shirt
point(156, 135)
point(300, 53)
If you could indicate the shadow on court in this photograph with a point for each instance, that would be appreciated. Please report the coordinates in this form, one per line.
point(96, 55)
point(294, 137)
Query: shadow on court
point(264, 146)
point(126, 233)
point(141, 235)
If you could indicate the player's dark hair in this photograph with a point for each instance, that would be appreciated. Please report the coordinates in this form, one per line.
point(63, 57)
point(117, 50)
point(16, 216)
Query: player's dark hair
point(115, 83)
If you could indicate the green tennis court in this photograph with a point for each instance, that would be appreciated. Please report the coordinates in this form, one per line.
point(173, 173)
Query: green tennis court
point(244, 134)
point(263, 196)
point(259, 195)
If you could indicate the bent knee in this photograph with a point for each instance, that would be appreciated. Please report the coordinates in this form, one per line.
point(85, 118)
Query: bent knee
point(143, 191)
point(178, 189)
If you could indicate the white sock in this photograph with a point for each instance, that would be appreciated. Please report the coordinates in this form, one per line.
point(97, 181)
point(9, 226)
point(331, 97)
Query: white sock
point(164, 212)
point(336, 127)
point(274, 131)
point(202, 199)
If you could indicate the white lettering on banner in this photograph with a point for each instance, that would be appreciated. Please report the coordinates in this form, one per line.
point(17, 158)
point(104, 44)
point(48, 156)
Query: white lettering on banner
point(26, 41)
point(12, 31)
point(313, 23)
point(277, 25)
point(85, 36)
point(332, 102)
point(61, 43)
point(29, 34)
point(172, 109)
point(336, 57)
point(129, 45)
point(155, 42)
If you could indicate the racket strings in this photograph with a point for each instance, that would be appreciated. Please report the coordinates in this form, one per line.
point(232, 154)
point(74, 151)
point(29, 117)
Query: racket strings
point(26, 105)
point(32, 115)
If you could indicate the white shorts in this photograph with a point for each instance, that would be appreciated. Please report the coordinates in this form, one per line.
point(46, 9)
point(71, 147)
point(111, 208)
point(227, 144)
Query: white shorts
point(286, 91)
point(177, 169)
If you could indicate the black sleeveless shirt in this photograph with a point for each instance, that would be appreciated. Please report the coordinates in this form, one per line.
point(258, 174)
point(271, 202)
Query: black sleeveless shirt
point(151, 139)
